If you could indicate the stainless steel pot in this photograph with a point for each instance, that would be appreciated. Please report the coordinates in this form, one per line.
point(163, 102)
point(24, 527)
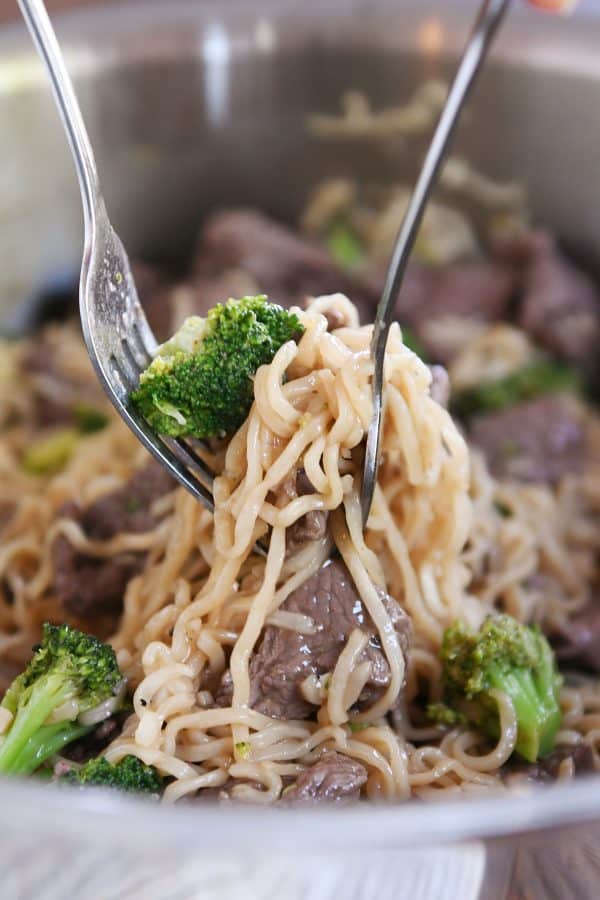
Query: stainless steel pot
point(193, 106)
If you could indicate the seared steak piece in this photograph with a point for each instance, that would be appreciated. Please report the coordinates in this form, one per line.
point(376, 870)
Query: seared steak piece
point(540, 441)
point(283, 264)
point(310, 527)
point(97, 740)
point(284, 659)
point(332, 779)
point(547, 770)
point(561, 310)
point(56, 396)
point(560, 304)
point(578, 642)
point(475, 291)
point(91, 586)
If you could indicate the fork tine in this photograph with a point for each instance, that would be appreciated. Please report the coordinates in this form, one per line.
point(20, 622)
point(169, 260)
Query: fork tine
point(199, 482)
point(125, 365)
point(194, 462)
point(116, 380)
point(135, 351)
point(140, 345)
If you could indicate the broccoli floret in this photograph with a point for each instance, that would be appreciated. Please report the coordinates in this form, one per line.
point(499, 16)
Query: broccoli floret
point(50, 453)
point(89, 418)
point(130, 774)
point(507, 656)
point(200, 382)
point(410, 340)
point(524, 384)
point(70, 674)
point(345, 246)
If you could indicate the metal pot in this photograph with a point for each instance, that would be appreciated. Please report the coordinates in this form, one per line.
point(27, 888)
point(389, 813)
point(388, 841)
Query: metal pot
point(194, 106)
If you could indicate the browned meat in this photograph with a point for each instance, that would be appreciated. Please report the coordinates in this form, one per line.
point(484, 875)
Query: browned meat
point(547, 770)
point(560, 305)
point(310, 527)
point(518, 250)
point(90, 586)
point(440, 385)
point(540, 441)
point(561, 309)
point(332, 779)
point(55, 405)
point(97, 740)
point(283, 264)
point(479, 291)
point(284, 658)
point(578, 642)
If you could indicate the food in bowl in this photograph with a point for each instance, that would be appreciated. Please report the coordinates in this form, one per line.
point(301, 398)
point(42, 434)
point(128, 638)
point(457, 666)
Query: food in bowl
point(451, 647)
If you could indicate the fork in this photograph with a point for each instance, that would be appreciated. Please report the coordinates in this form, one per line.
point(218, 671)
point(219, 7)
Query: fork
point(489, 17)
point(118, 337)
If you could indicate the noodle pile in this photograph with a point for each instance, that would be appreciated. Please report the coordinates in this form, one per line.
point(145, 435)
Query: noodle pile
point(438, 541)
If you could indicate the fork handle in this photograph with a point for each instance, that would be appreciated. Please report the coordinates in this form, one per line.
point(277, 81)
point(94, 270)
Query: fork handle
point(36, 17)
point(488, 19)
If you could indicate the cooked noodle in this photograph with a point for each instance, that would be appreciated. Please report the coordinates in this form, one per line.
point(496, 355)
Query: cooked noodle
point(436, 541)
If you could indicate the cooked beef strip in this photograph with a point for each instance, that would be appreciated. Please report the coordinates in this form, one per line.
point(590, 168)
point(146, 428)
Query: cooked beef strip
point(561, 310)
point(519, 249)
point(560, 305)
point(284, 658)
point(332, 779)
point(310, 527)
point(547, 770)
point(577, 644)
point(90, 586)
point(56, 407)
point(284, 265)
point(471, 290)
point(541, 440)
point(97, 740)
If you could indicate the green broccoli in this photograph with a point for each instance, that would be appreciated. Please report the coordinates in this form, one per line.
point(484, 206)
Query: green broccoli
point(523, 384)
point(200, 382)
point(70, 674)
point(345, 246)
point(50, 453)
point(130, 774)
point(410, 340)
point(507, 656)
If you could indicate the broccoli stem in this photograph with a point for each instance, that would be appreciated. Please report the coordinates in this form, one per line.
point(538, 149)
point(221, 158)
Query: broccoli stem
point(537, 720)
point(45, 743)
point(46, 695)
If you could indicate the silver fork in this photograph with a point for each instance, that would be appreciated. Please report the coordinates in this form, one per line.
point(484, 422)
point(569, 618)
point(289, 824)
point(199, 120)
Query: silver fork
point(117, 335)
point(489, 17)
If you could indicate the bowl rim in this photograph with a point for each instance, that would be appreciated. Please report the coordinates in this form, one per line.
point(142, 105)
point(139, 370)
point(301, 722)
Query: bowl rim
point(94, 38)
point(27, 807)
